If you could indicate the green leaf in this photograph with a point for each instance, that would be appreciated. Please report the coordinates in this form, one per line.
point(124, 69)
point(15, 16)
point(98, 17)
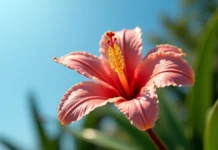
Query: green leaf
point(135, 136)
point(211, 129)
point(103, 140)
point(201, 96)
point(55, 144)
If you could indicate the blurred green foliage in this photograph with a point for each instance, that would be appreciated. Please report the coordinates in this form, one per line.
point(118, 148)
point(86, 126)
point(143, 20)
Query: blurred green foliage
point(200, 98)
point(196, 32)
point(183, 121)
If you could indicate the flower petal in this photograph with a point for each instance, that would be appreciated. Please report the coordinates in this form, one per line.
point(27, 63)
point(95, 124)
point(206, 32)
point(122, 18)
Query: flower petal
point(141, 111)
point(84, 63)
point(166, 48)
point(81, 99)
point(130, 43)
point(87, 65)
point(163, 69)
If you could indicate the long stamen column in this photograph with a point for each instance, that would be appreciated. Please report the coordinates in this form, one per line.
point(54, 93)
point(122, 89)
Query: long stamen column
point(116, 61)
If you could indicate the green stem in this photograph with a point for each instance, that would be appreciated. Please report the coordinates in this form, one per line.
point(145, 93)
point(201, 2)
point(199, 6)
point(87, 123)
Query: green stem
point(158, 143)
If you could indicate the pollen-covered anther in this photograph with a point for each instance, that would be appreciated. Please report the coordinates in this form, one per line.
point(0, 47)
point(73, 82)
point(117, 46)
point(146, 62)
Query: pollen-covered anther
point(180, 50)
point(116, 58)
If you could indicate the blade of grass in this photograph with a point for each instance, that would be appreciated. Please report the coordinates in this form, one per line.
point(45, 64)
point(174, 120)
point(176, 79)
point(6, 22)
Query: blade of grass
point(44, 140)
point(211, 129)
point(8, 144)
point(56, 140)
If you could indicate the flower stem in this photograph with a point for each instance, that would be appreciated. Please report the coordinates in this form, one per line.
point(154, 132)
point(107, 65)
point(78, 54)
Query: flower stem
point(158, 143)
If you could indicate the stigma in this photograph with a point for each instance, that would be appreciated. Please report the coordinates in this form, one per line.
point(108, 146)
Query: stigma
point(116, 60)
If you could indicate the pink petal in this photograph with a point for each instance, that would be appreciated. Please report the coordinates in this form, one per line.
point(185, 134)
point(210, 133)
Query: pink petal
point(87, 65)
point(163, 69)
point(130, 43)
point(166, 48)
point(141, 111)
point(84, 63)
point(81, 99)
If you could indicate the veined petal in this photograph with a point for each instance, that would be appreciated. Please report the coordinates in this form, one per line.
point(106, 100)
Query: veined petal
point(87, 65)
point(142, 111)
point(166, 48)
point(163, 69)
point(83, 98)
point(130, 43)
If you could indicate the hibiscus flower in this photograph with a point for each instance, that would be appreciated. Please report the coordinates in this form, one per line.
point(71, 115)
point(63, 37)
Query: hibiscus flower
point(124, 77)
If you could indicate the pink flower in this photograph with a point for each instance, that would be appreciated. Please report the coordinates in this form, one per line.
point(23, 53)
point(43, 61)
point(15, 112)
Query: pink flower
point(124, 77)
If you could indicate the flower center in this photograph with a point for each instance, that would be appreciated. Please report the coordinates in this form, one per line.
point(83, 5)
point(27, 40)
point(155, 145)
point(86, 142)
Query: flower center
point(116, 61)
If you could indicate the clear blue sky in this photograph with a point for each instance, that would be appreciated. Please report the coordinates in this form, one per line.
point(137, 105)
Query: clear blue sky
point(33, 31)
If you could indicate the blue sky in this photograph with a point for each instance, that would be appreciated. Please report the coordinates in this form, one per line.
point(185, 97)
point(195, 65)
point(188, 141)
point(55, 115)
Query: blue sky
point(33, 31)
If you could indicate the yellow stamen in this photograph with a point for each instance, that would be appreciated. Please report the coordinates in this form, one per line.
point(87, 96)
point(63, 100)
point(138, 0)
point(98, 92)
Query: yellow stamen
point(116, 58)
point(180, 50)
point(117, 63)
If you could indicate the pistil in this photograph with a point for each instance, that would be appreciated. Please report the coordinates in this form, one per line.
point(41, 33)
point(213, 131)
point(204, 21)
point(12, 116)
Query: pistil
point(116, 61)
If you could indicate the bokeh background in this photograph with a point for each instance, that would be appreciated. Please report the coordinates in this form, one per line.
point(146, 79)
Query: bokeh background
point(32, 32)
